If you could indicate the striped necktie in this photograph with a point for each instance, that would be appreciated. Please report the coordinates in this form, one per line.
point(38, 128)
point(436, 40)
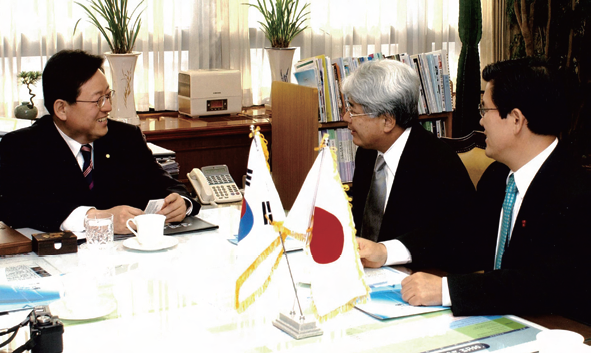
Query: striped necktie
point(508, 203)
point(376, 199)
point(86, 151)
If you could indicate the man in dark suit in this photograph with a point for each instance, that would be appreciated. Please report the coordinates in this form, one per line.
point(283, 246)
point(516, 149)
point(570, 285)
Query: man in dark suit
point(75, 162)
point(424, 183)
point(530, 230)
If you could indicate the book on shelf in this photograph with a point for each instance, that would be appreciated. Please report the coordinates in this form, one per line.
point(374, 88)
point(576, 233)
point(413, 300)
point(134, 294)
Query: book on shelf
point(435, 94)
point(341, 140)
point(328, 76)
point(436, 126)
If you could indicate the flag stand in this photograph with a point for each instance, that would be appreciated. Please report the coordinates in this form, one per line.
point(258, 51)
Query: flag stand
point(296, 327)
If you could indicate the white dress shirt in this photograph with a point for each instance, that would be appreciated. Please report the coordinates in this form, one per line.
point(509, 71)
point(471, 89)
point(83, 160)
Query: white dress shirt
point(397, 252)
point(75, 220)
point(523, 178)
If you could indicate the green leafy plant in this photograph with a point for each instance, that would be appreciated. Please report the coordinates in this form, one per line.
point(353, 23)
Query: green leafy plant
point(121, 29)
point(283, 21)
point(29, 78)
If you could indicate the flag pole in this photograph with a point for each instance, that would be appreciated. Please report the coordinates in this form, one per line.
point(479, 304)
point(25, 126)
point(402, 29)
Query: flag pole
point(297, 329)
point(302, 317)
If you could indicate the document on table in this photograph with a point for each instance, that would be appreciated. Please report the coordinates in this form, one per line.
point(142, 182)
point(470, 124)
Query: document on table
point(25, 283)
point(386, 300)
point(375, 277)
point(386, 303)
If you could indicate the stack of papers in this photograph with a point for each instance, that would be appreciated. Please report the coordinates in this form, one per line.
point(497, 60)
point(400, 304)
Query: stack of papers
point(386, 300)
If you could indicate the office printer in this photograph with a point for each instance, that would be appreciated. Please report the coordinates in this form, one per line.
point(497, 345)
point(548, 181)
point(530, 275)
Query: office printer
point(210, 92)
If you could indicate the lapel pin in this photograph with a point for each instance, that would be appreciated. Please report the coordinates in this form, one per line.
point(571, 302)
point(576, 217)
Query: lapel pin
point(108, 155)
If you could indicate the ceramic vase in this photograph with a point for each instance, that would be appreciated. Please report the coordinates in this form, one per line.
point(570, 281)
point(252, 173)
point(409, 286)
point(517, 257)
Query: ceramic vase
point(280, 60)
point(122, 71)
point(26, 111)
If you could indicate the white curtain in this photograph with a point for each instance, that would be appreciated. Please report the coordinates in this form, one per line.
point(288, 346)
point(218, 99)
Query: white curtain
point(179, 35)
point(175, 35)
point(341, 28)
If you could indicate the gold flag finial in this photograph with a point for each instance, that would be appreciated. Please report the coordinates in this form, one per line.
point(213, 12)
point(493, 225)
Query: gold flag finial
point(324, 143)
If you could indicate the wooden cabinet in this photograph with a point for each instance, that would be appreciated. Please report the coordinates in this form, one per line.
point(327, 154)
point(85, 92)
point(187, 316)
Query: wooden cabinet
point(206, 141)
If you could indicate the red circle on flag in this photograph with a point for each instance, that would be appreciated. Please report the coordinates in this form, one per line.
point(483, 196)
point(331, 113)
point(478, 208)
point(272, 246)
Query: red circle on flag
point(327, 241)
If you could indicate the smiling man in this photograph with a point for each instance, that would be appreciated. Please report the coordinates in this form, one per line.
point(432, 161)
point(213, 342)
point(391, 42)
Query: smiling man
point(530, 227)
point(75, 161)
point(408, 186)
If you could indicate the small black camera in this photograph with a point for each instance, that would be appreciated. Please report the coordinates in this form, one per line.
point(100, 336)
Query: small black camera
point(46, 331)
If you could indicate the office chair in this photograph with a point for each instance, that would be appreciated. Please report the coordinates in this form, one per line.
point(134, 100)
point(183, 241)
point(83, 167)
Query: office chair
point(470, 149)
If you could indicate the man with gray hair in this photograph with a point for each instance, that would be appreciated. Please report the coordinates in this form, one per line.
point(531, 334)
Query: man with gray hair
point(408, 186)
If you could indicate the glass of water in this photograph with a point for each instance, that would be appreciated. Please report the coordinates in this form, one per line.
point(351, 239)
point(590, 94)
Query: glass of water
point(99, 230)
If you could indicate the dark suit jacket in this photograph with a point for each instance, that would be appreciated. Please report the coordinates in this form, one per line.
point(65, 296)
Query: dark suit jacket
point(41, 182)
point(431, 189)
point(546, 265)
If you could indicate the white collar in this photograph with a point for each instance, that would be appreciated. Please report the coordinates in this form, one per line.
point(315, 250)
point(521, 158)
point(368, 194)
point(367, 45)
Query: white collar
point(524, 175)
point(73, 144)
point(393, 154)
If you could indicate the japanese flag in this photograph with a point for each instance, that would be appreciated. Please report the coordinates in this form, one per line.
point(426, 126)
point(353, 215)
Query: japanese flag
point(322, 206)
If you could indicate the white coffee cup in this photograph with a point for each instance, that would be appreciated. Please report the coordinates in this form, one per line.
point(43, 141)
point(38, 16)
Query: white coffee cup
point(150, 228)
point(558, 341)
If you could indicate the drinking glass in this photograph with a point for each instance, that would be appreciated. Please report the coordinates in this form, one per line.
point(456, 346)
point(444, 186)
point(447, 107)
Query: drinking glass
point(99, 230)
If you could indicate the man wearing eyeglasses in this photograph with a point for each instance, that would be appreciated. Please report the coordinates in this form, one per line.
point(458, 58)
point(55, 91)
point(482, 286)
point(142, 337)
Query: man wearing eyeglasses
point(75, 161)
point(530, 225)
point(408, 186)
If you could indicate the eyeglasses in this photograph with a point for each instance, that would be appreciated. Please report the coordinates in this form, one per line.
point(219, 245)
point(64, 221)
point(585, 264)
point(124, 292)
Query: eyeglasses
point(102, 99)
point(484, 110)
point(352, 115)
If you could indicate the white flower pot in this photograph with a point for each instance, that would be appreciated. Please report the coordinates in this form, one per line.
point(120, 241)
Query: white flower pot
point(280, 60)
point(122, 71)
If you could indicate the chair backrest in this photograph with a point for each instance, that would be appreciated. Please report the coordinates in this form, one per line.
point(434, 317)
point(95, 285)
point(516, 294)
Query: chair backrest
point(470, 149)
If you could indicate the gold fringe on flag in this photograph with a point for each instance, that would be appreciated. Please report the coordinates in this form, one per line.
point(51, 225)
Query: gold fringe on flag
point(242, 306)
point(360, 299)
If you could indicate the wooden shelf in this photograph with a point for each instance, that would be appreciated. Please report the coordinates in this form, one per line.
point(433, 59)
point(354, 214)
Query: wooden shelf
point(446, 116)
point(199, 142)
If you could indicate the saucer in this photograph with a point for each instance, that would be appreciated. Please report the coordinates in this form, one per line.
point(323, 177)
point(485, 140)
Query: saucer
point(167, 242)
point(102, 306)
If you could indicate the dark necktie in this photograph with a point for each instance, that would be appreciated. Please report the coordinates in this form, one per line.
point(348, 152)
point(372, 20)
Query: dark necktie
point(508, 203)
point(376, 199)
point(86, 151)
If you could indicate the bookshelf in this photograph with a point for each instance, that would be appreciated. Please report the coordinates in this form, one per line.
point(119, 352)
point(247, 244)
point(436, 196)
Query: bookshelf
point(294, 128)
point(445, 117)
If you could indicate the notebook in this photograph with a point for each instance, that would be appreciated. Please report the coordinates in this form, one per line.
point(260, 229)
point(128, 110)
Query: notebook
point(189, 224)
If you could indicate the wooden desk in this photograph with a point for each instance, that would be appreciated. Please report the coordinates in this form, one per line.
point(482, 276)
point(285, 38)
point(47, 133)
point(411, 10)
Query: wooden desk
point(199, 142)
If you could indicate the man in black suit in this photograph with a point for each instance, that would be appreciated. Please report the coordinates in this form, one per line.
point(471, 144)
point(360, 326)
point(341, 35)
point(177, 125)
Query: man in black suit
point(42, 184)
point(530, 232)
point(425, 185)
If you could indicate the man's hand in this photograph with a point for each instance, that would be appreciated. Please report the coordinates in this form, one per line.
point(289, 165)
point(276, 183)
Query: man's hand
point(174, 208)
point(372, 254)
point(120, 216)
point(422, 289)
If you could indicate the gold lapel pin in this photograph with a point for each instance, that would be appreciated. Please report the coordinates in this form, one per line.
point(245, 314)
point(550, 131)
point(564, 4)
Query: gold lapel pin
point(108, 155)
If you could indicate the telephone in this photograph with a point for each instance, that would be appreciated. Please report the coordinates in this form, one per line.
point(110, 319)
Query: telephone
point(214, 183)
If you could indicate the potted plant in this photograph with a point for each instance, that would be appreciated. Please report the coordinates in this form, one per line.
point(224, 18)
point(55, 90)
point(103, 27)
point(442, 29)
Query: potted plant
point(26, 110)
point(120, 30)
point(283, 21)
